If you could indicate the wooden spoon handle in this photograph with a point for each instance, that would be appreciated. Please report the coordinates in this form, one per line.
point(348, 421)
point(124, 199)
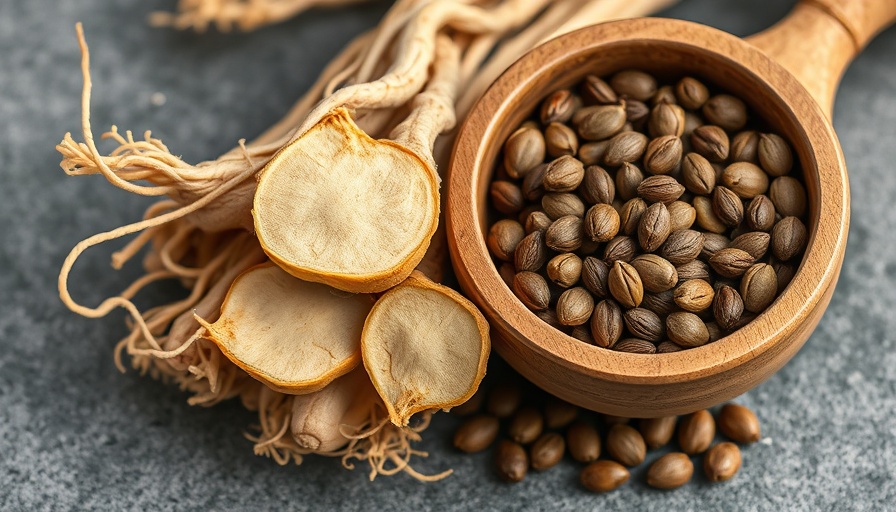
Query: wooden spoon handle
point(819, 38)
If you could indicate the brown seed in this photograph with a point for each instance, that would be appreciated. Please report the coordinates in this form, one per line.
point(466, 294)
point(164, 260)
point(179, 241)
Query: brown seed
point(727, 307)
point(628, 179)
point(691, 93)
point(537, 221)
point(663, 155)
point(706, 216)
point(686, 329)
point(531, 253)
point(592, 153)
point(562, 204)
point(547, 451)
point(563, 174)
point(625, 284)
point(694, 269)
point(744, 147)
point(594, 276)
point(511, 461)
point(524, 150)
point(630, 215)
point(582, 333)
point(471, 406)
point(625, 445)
point(503, 400)
point(575, 306)
point(711, 142)
point(507, 272)
point(624, 147)
point(476, 434)
point(606, 323)
point(660, 189)
point(715, 332)
point(760, 214)
point(532, 290)
point(532, 187)
point(785, 274)
point(730, 262)
point(635, 346)
point(601, 222)
point(726, 111)
point(526, 425)
point(644, 324)
point(695, 295)
point(666, 119)
point(558, 107)
point(595, 90)
point(558, 413)
point(503, 238)
point(788, 238)
point(697, 174)
point(657, 274)
point(691, 122)
point(611, 420)
point(664, 94)
point(583, 441)
point(660, 303)
point(565, 234)
point(657, 432)
point(560, 140)
point(621, 248)
point(597, 186)
point(721, 462)
point(788, 196)
point(636, 112)
point(682, 246)
point(696, 432)
point(775, 155)
point(506, 197)
point(755, 243)
point(565, 269)
point(604, 476)
point(745, 179)
point(759, 287)
point(634, 84)
point(727, 206)
point(739, 424)
point(601, 122)
point(713, 243)
point(670, 471)
point(549, 316)
point(681, 215)
point(654, 227)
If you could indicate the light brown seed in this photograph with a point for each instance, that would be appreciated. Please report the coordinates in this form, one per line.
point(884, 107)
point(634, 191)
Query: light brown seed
point(657, 274)
point(713, 243)
point(530, 254)
point(694, 295)
point(506, 197)
point(666, 119)
point(788, 196)
point(601, 222)
point(547, 451)
point(730, 262)
point(625, 445)
point(558, 107)
point(711, 142)
point(592, 153)
point(727, 206)
point(691, 93)
point(606, 323)
point(657, 432)
point(624, 147)
point(635, 346)
point(537, 221)
point(601, 122)
point(694, 269)
point(745, 147)
point(628, 179)
point(721, 462)
point(663, 155)
point(594, 276)
point(660, 303)
point(745, 179)
point(760, 214)
point(565, 269)
point(558, 413)
point(788, 238)
point(524, 150)
point(575, 306)
point(759, 287)
point(739, 424)
point(696, 432)
point(686, 329)
point(563, 174)
point(532, 290)
point(604, 476)
point(654, 227)
point(558, 205)
point(644, 324)
point(755, 243)
point(681, 215)
point(595, 90)
point(682, 246)
point(630, 215)
point(634, 84)
point(511, 461)
point(625, 284)
point(476, 434)
point(597, 186)
point(526, 425)
point(503, 238)
point(660, 189)
point(706, 216)
point(560, 140)
point(774, 154)
point(583, 441)
point(698, 174)
point(565, 234)
point(726, 111)
point(727, 308)
point(670, 471)
point(621, 248)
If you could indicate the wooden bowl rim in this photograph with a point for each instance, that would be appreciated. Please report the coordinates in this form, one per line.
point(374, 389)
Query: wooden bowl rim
point(817, 272)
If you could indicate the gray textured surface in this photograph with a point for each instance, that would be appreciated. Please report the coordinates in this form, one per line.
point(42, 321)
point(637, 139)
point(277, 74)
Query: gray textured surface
point(76, 434)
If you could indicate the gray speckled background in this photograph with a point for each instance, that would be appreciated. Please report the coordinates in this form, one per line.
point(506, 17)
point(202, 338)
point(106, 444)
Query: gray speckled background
point(77, 434)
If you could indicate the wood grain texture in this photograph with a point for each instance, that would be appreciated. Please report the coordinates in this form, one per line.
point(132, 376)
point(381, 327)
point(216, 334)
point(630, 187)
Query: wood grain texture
point(635, 385)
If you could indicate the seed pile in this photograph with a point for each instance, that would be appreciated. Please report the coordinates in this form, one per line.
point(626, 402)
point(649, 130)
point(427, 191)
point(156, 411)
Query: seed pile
point(536, 433)
point(646, 218)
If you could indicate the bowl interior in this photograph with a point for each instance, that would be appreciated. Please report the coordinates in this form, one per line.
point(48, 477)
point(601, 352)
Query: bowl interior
point(667, 49)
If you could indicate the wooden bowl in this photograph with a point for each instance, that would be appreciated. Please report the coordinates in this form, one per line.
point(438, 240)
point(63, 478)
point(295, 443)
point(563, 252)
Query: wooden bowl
point(637, 385)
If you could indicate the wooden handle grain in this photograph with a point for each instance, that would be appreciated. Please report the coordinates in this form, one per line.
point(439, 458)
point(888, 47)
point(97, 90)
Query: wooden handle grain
point(819, 38)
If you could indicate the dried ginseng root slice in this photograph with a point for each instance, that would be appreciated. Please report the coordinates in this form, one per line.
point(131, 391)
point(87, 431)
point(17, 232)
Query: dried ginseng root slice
point(338, 207)
point(425, 347)
point(292, 335)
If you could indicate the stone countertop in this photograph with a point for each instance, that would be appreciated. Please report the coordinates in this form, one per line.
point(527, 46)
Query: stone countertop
point(77, 434)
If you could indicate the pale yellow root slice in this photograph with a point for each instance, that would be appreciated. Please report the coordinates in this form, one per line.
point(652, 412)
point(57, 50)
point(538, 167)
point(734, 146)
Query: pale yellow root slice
point(425, 347)
point(340, 208)
point(317, 417)
point(292, 335)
